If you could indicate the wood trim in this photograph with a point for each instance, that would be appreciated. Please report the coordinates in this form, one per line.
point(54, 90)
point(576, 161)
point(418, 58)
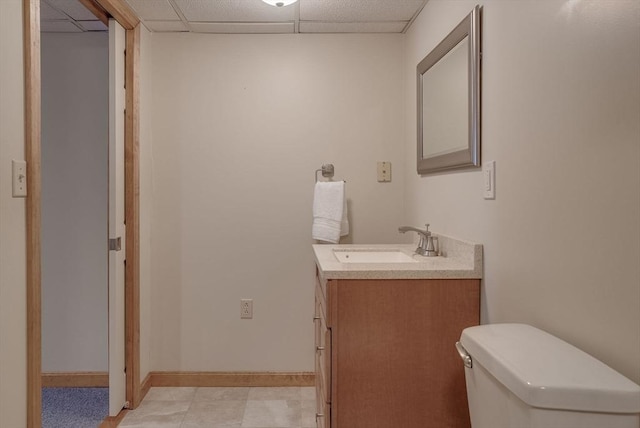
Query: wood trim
point(145, 386)
point(204, 379)
point(132, 216)
point(94, 8)
point(121, 11)
point(32, 120)
point(114, 421)
point(75, 379)
point(31, 45)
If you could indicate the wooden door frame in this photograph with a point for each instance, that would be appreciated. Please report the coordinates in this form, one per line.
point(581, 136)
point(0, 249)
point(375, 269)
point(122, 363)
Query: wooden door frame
point(122, 13)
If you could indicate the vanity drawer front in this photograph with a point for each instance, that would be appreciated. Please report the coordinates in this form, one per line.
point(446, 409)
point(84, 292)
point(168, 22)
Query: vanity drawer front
point(323, 419)
point(323, 340)
point(322, 360)
point(321, 294)
point(326, 366)
point(321, 305)
point(318, 325)
point(323, 354)
point(322, 405)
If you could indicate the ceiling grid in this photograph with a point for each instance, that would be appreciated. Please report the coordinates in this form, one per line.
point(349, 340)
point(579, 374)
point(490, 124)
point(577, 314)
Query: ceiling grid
point(245, 16)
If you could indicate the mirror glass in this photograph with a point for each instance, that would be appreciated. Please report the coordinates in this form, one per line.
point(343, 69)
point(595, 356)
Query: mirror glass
point(444, 103)
point(449, 101)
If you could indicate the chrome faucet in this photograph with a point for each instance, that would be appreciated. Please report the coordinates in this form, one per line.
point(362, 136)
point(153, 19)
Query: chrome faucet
point(425, 245)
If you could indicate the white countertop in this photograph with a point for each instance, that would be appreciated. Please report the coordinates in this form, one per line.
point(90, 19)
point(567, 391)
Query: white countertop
point(459, 260)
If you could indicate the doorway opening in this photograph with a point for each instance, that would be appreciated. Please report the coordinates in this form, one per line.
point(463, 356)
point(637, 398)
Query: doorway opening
point(74, 233)
point(31, 42)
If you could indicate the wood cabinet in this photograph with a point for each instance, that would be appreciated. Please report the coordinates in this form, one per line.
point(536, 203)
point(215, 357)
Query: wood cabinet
point(385, 352)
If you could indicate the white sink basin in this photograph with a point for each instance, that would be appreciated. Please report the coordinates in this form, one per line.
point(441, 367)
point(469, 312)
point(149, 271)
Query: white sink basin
point(372, 256)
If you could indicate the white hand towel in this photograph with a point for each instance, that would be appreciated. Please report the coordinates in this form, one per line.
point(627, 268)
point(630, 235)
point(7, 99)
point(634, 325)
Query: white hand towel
point(328, 210)
point(344, 224)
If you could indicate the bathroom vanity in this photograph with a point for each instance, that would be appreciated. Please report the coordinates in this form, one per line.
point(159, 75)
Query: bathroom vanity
point(386, 325)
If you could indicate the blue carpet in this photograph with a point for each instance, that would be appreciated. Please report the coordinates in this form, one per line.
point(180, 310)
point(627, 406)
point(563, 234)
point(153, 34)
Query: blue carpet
point(74, 407)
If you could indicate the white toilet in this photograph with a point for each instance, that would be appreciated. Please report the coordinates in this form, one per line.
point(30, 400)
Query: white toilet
point(520, 377)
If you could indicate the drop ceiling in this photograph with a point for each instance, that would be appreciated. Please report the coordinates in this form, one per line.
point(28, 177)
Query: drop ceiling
point(67, 16)
point(244, 16)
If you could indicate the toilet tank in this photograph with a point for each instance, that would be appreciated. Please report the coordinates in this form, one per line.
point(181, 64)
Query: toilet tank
point(523, 377)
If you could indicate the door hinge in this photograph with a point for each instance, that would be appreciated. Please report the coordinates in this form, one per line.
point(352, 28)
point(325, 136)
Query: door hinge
point(115, 244)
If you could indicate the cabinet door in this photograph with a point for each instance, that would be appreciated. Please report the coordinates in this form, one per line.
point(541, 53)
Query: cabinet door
point(394, 359)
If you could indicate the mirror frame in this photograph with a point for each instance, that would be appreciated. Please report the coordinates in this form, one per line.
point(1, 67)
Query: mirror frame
point(470, 156)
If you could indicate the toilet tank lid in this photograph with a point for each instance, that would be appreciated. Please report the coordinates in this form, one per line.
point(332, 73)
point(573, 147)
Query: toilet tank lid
point(547, 372)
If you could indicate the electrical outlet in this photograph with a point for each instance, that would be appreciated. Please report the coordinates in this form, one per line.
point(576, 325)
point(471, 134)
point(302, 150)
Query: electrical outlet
point(246, 308)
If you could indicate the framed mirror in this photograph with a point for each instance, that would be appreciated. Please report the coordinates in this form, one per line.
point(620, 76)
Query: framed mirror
point(449, 100)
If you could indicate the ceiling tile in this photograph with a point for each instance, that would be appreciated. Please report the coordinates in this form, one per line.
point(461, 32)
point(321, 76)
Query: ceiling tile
point(48, 13)
point(58, 27)
point(359, 10)
point(74, 9)
point(158, 10)
point(250, 16)
point(166, 26)
point(235, 11)
point(352, 27)
point(93, 25)
point(242, 27)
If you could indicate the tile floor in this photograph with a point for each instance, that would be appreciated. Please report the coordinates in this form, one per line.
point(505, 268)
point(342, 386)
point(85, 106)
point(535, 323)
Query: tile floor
point(283, 407)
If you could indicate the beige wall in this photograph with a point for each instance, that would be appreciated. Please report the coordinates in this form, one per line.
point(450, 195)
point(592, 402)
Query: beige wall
point(241, 117)
point(561, 118)
point(75, 133)
point(12, 222)
point(240, 123)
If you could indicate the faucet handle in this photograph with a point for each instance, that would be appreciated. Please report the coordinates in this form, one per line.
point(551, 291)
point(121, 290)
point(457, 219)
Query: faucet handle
point(427, 227)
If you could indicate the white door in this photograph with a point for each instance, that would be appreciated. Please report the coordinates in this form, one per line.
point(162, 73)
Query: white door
point(117, 377)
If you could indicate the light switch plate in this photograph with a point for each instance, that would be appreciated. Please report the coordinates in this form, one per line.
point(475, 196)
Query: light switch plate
point(384, 172)
point(19, 182)
point(489, 179)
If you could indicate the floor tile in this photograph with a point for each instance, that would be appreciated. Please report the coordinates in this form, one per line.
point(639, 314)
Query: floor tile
point(221, 393)
point(274, 393)
point(161, 414)
point(218, 414)
point(170, 394)
point(272, 413)
point(222, 407)
point(308, 413)
point(308, 393)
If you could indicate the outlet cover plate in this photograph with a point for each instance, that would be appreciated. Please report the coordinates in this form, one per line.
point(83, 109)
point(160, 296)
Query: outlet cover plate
point(246, 308)
point(384, 172)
